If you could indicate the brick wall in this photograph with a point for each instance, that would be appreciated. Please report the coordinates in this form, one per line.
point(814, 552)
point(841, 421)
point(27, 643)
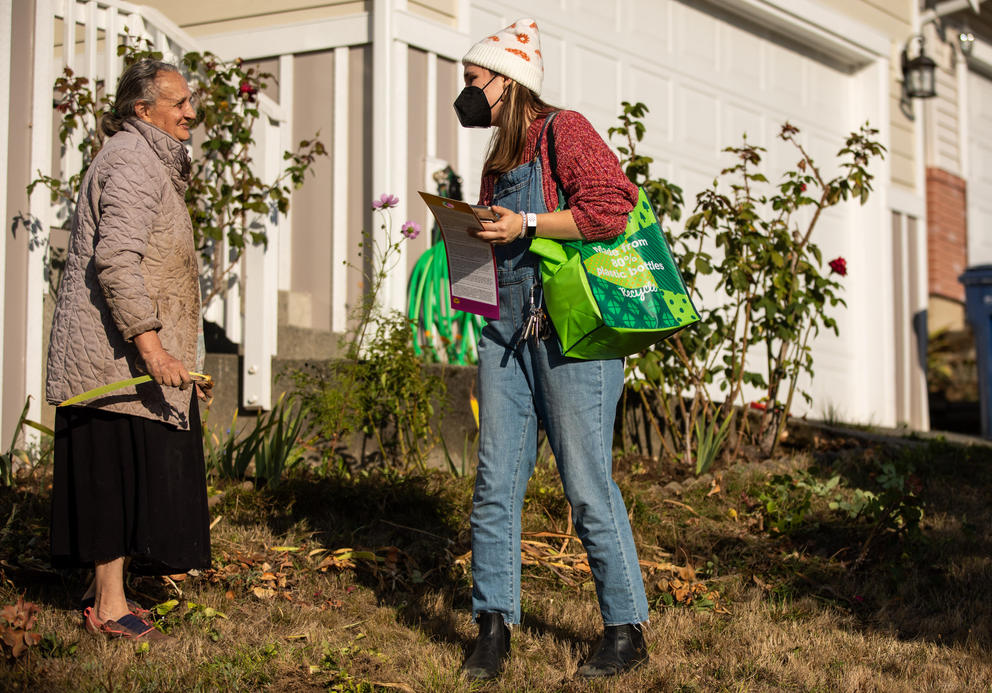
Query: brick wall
point(947, 233)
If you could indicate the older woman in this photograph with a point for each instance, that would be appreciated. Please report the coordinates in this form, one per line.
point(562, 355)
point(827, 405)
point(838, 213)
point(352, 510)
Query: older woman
point(129, 477)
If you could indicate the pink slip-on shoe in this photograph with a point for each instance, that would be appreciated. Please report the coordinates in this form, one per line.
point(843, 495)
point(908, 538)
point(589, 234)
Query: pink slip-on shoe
point(127, 627)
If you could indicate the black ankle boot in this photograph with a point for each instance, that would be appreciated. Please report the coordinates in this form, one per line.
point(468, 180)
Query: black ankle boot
point(492, 648)
point(621, 649)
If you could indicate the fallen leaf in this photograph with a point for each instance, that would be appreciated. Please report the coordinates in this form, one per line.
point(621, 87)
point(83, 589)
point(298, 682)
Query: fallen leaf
point(263, 592)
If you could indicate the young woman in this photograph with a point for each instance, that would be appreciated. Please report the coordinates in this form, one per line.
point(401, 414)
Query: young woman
point(523, 377)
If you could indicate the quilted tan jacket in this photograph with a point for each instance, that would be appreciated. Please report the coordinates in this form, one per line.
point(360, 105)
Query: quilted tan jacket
point(131, 267)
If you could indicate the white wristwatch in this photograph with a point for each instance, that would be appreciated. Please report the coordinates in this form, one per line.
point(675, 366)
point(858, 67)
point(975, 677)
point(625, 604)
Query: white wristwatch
point(531, 225)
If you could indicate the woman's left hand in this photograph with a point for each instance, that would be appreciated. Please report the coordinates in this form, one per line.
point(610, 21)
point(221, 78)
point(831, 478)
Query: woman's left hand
point(508, 228)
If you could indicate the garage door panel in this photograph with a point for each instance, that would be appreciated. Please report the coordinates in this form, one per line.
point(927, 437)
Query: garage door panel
point(655, 92)
point(696, 41)
point(593, 84)
point(784, 77)
point(553, 48)
point(649, 25)
point(603, 13)
point(823, 149)
point(739, 120)
point(741, 56)
point(698, 120)
point(662, 166)
point(827, 89)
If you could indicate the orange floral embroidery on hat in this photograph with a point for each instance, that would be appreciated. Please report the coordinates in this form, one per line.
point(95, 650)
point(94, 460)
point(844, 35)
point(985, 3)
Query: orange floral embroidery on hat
point(537, 52)
point(494, 38)
point(533, 25)
point(523, 38)
point(517, 51)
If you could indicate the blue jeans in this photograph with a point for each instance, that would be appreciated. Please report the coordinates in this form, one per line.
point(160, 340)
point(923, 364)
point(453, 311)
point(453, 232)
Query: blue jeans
point(576, 400)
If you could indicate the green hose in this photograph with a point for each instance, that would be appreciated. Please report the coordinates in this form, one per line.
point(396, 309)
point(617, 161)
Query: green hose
point(439, 332)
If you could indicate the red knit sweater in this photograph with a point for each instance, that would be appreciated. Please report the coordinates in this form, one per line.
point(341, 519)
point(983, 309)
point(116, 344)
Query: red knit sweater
point(598, 193)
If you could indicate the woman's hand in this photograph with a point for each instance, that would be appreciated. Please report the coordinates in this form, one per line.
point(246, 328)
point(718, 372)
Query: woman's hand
point(164, 368)
point(507, 229)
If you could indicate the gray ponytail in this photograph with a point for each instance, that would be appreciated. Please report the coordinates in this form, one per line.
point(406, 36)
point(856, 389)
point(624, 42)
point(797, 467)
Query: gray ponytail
point(137, 84)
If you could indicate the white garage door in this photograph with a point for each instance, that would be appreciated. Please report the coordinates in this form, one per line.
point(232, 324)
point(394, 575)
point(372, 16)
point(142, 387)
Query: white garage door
point(707, 79)
point(980, 170)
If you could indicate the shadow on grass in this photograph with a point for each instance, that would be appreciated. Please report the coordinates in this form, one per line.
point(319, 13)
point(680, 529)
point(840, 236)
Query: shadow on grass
point(929, 584)
point(417, 523)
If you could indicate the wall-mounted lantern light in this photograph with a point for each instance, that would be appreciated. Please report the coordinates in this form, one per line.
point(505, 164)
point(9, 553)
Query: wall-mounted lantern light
point(919, 73)
point(966, 40)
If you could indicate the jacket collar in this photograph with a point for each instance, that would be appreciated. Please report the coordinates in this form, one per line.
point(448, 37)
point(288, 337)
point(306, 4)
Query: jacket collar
point(169, 150)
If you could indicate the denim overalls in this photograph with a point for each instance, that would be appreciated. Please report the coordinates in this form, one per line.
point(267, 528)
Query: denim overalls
point(576, 400)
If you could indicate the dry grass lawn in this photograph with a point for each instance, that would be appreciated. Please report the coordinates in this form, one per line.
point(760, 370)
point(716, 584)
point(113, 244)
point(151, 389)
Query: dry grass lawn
point(359, 584)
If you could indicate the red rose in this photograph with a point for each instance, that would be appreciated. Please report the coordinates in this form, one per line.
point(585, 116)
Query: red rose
point(839, 265)
point(248, 91)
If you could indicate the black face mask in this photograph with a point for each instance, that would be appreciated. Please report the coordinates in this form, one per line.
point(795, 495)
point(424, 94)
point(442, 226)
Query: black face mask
point(472, 107)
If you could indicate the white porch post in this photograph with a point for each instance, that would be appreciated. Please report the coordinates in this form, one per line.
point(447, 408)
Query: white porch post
point(388, 125)
point(6, 11)
point(394, 296)
point(39, 203)
point(286, 143)
point(261, 284)
point(339, 220)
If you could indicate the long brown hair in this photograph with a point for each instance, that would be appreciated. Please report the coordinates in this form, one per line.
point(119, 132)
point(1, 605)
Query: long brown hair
point(506, 148)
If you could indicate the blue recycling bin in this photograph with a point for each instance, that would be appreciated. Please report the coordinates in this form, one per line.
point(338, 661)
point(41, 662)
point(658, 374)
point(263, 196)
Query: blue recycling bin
point(978, 309)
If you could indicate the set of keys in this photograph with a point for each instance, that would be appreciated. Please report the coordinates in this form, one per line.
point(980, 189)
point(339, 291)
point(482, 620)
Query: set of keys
point(536, 324)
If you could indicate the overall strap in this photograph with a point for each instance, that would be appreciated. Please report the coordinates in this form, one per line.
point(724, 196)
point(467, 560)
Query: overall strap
point(553, 160)
point(540, 136)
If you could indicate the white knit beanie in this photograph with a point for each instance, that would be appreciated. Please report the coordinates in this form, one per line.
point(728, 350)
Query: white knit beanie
point(514, 52)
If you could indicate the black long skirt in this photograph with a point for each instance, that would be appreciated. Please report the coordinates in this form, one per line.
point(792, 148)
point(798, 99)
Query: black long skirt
point(129, 486)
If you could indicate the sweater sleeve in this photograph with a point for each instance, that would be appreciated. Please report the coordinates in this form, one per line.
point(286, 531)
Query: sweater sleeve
point(128, 203)
point(598, 192)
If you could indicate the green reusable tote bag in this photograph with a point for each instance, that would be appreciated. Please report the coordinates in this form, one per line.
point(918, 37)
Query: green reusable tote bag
point(614, 298)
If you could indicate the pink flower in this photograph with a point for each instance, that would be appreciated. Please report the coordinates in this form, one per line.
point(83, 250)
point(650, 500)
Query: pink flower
point(410, 229)
point(385, 201)
point(838, 265)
